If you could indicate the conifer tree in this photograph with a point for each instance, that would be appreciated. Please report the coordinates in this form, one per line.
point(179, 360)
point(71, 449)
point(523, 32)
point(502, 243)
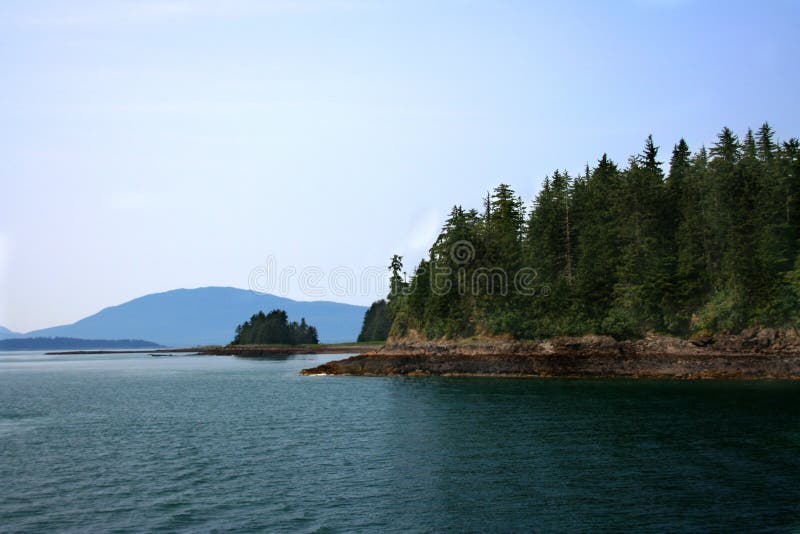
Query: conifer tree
point(712, 246)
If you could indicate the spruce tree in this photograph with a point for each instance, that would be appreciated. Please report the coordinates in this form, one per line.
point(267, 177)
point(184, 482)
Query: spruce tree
point(712, 246)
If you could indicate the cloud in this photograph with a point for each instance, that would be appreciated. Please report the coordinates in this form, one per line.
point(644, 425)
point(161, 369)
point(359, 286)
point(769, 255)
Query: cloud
point(424, 231)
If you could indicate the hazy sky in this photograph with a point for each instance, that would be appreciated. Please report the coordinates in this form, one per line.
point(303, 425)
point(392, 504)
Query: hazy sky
point(150, 145)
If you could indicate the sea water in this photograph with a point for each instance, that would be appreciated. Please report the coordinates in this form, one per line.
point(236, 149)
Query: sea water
point(132, 443)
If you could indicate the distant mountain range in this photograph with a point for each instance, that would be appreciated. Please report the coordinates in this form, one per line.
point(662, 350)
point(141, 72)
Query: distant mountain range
point(5, 333)
point(203, 316)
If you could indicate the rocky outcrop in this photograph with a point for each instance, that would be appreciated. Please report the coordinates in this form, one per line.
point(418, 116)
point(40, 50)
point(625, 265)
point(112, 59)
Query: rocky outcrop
point(764, 353)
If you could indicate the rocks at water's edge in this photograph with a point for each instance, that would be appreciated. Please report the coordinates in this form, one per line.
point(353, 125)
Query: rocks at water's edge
point(766, 353)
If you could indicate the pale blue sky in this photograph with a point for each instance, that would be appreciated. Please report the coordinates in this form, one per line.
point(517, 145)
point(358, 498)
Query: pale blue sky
point(160, 144)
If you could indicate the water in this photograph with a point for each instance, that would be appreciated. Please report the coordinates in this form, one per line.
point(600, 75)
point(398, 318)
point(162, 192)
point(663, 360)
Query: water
point(187, 443)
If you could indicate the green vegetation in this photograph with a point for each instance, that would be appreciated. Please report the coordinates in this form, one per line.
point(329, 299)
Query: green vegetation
point(274, 327)
point(376, 323)
point(711, 246)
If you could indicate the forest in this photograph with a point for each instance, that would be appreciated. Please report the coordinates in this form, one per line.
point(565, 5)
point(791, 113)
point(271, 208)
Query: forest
point(376, 323)
point(709, 245)
point(274, 327)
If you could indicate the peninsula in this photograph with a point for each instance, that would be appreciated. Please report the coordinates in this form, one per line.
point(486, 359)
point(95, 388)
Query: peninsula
point(618, 271)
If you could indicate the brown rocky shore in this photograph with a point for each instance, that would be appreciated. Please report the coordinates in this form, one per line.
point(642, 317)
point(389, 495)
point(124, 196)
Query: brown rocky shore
point(754, 354)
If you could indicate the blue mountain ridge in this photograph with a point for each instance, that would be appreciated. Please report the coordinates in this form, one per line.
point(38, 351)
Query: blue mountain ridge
point(206, 316)
point(5, 333)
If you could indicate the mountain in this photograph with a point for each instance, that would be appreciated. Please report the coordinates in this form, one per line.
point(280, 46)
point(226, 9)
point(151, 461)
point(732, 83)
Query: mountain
point(206, 316)
point(71, 343)
point(5, 333)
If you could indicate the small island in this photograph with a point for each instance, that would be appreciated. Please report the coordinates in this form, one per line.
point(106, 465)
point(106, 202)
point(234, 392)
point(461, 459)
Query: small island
point(272, 334)
point(618, 271)
point(274, 328)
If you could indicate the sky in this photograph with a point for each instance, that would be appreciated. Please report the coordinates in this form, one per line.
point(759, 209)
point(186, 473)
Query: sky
point(294, 146)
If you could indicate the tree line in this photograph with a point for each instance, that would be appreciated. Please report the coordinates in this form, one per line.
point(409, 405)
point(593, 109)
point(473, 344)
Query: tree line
point(709, 246)
point(376, 323)
point(274, 327)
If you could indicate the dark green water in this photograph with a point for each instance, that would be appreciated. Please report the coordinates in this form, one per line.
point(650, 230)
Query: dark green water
point(135, 443)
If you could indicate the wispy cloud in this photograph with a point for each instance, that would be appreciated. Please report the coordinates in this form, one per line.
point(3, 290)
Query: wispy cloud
point(426, 228)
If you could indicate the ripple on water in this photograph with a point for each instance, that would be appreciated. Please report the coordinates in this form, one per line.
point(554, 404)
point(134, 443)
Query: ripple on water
point(187, 444)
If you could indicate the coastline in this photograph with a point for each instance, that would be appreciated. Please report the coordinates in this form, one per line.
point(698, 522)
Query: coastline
point(766, 354)
point(270, 350)
point(242, 350)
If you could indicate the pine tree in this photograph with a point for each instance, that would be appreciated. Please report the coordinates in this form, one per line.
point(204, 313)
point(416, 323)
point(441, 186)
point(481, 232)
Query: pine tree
point(599, 241)
point(642, 273)
point(713, 246)
point(274, 328)
point(376, 323)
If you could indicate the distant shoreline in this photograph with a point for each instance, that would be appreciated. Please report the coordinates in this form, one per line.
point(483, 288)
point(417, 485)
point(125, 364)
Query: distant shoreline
point(243, 350)
point(117, 351)
point(74, 343)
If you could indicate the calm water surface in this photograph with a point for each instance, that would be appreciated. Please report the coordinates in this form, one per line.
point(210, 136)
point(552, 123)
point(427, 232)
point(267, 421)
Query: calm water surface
point(189, 443)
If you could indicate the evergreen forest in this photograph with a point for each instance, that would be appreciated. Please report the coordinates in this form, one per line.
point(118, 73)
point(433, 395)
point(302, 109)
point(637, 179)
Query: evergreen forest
point(274, 327)
point(705, 244)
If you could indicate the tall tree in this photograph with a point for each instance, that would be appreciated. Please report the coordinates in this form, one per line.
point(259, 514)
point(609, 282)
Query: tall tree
point(376, 323)
point(599, 240)
point(711, 246)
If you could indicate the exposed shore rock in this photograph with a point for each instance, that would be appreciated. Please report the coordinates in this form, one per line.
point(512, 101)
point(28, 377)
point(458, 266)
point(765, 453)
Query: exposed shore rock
point(765, 353)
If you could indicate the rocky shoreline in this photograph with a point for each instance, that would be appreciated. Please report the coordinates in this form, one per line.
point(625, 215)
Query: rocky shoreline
point(756, 354)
